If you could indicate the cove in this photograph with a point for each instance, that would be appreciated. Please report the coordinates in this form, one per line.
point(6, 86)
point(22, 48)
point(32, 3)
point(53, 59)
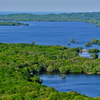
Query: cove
point(81, 83)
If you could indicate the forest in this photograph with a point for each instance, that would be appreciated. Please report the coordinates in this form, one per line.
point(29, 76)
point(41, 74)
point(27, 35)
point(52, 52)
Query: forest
point(89, 17)
point(20, 62)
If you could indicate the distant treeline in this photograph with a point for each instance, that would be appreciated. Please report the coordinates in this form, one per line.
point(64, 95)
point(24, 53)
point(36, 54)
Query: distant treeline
point(93, 17)
point(4, 23)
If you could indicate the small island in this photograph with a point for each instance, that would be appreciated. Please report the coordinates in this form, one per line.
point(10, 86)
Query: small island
point(97, 25)
point(4, 23)
point(93, 41)
point(88, 44)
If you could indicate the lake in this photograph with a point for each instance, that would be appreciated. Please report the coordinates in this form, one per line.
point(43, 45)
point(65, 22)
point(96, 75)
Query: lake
point(51, 33)
point(58, 33)
point(84, 84)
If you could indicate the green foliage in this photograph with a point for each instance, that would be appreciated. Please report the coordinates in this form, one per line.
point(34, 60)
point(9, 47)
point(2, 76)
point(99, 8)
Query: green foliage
point(93, 50)
point(94, 56)
point(89, 67)
point(76, 69)
point(20, 62)
point(98, 42)
point(88, 44)
point(32, 59)
point(94, 41)
point(72, 40)
point(36, 79)
point(33, 42)
point(12, 24)
point(16, 85)
point(64, 69)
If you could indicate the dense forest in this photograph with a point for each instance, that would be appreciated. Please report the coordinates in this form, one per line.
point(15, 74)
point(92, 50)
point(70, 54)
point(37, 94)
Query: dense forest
point(93, 17)
point(19, 64)
point(40, 58)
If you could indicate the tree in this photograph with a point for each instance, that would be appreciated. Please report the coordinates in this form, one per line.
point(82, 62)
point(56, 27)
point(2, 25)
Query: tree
point(50, 68)
point(33, 42)
point(94, 56)
point(72, 40)
point(94, 41)
point(93, 50)
point(88, 44)
point(63, 69)
point(98, 42)
point(69, 43)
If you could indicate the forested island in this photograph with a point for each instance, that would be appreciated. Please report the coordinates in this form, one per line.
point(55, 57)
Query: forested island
point(19, 64)
point(93, 41)
point(92, 17)
point(6, 23)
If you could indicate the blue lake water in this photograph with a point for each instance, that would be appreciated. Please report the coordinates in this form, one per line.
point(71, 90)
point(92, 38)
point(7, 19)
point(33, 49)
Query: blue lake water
point(84, 84)
point(51, 33)
point(58, 33)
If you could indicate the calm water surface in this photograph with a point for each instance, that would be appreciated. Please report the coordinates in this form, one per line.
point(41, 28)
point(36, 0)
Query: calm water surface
point(84, 84)
point(51, 33)
point(58, 33)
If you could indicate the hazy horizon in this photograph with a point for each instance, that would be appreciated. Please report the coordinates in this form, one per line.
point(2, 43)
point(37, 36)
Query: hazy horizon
point(36, 13)
point(49, 6)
